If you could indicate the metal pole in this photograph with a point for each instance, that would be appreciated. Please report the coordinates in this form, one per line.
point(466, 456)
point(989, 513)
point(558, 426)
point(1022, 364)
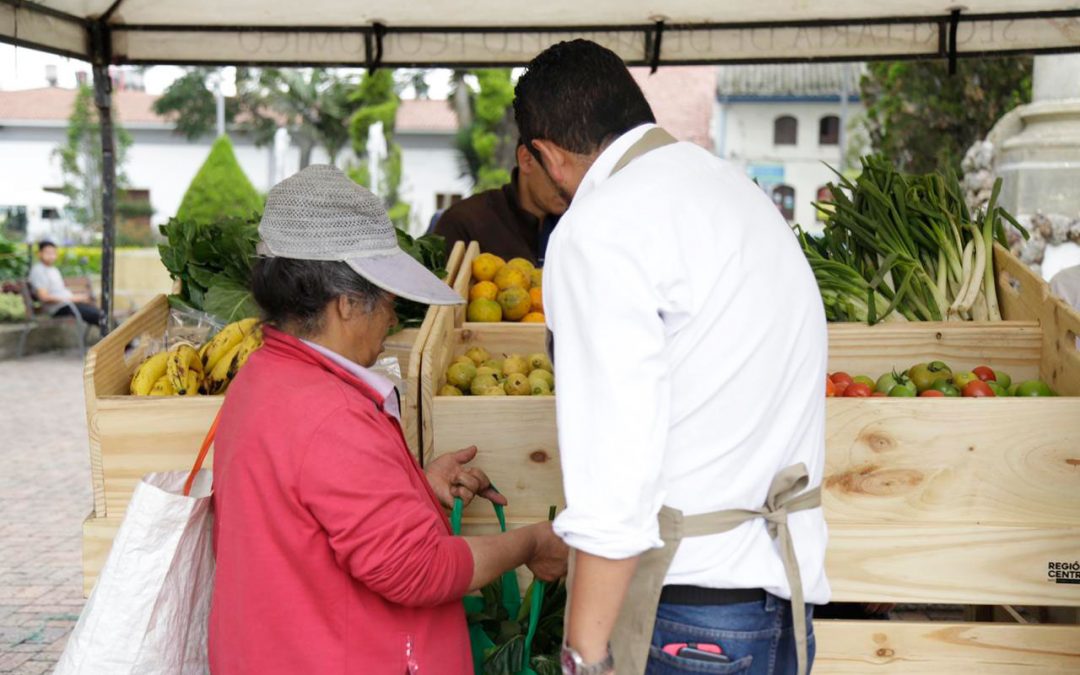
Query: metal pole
point(103, 100)
point(219, 99)
point(844, 95)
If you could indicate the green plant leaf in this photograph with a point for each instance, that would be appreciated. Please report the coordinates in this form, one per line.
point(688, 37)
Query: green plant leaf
point(229, 301)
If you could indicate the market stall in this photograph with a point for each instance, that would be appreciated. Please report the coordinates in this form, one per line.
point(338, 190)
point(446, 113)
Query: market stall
point(971, 502)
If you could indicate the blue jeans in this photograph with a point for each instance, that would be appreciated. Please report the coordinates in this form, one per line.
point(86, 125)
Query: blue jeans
point(757, 636)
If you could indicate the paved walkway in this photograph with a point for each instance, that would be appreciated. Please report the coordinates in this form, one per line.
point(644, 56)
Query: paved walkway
point(44, 497)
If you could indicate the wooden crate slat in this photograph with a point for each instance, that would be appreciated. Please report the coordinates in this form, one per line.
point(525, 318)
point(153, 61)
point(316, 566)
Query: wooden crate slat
point(950, 563)
point(107, 372)
point(1010, 461)
point(145, 434)
point(1014, 347)
point(98, 535)
point(516, 446)
point(922, 648)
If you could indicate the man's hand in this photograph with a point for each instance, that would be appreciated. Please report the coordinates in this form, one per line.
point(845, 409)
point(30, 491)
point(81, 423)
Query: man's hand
point(450, 478)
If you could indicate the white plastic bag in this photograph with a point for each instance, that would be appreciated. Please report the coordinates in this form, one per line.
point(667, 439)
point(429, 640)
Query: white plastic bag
point(149, 612)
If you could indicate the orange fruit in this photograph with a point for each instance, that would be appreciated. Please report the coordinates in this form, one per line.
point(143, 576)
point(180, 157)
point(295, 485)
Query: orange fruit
point(534, 317)
point(515, 303)
point(537, 297)
point(485, 289)
point(512, 277)
point(484, 311)
point(537, 277)
point(486, 266)
point(522, 264)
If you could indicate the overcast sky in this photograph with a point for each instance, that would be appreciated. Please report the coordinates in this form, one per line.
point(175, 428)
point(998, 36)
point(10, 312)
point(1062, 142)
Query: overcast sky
point(22, 68)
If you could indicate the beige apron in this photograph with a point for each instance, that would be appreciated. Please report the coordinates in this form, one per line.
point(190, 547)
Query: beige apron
point(787, 494)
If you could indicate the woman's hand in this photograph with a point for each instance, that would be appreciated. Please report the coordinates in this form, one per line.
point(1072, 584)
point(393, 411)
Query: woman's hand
point(549, 556)
point(450, 478)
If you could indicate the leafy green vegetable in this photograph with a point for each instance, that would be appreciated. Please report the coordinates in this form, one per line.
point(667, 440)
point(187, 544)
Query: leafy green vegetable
point(902, 247)
point(213, 262)
point(430, 251)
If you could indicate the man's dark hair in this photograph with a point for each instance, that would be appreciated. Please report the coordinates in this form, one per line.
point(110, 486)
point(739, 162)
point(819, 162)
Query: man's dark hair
point(44, 244)
point(579, 96)
point(296, 292)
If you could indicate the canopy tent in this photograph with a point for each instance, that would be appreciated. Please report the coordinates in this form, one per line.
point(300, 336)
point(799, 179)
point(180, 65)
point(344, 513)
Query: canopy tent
point(503, 32)
point(394, 33)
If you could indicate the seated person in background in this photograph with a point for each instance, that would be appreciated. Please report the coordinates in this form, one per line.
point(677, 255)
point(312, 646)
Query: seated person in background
point(49, 289)
point(513, 221)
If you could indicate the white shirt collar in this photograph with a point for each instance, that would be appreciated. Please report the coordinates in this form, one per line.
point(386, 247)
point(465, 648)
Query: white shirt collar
point(382, 386)
point(601, 168)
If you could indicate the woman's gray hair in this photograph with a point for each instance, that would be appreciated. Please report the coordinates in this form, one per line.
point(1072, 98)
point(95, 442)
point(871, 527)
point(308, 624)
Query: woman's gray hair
point(295, 293)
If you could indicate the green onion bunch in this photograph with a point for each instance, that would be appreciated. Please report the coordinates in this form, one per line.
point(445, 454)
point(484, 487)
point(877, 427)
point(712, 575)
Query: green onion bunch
point(902, 247)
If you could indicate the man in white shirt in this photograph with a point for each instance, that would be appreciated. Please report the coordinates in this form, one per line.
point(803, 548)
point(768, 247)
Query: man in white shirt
point(49, 288)
point(690, 343)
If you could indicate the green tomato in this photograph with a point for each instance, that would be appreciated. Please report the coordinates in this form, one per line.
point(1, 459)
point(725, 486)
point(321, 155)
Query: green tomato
point(1034, 388)
point(887, 382)
point(997, 388)
point(902, 391)
point(924, 375)
point(1013, 388)
point(947, 388)
point(962, 380)
point(1003, 379)
point(865, 380)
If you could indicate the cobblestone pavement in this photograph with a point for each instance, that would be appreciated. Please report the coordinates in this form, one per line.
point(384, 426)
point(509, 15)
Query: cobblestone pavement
point(44, 496)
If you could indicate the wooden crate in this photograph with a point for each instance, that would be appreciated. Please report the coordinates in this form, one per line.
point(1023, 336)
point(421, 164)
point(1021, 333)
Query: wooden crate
point(950, 501)
point(131, 436)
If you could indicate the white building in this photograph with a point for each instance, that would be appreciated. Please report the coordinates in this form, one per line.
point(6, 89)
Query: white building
point(784, 123)
point(161, 163)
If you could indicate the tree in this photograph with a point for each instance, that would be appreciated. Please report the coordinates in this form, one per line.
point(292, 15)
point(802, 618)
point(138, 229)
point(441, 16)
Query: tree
point(312, 104)
point(81, 161)
point(193, 106)
point(487, 140)
point(925, 119)
point(315, 104)
point(220, 190)
point(376, 100)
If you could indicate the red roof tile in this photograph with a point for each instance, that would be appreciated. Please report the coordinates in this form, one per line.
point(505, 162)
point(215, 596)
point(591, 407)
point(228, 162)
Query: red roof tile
point(55, 103)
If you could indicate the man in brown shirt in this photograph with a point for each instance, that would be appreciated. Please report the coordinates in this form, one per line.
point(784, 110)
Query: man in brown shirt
point(513, 221)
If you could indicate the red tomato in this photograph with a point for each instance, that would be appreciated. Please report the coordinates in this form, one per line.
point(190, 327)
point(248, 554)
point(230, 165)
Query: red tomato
point(857, 390)
point(977, 389)
point(841, 387)
point(933, 393)
point(985, 373)
point(879, 394)
point(830, 388)
point(840, 377)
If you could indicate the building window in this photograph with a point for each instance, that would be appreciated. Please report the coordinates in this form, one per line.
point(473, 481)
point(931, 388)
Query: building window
point(786, 130)
point(784, 198)
point(829, 130)
point(444, 200)
point(823, 210)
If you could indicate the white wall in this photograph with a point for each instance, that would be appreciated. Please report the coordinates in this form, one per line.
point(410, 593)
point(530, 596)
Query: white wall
point(164, 163)
point(430, 166)
point(748, 139)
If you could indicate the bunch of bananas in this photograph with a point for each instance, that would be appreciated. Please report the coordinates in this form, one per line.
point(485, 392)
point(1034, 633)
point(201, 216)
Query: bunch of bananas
point(186, 371)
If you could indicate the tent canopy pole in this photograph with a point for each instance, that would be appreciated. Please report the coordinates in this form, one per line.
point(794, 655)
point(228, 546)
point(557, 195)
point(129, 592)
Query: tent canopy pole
point(99, 40)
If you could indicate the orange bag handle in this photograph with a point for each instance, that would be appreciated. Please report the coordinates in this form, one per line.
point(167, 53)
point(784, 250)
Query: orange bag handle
point(203, 451)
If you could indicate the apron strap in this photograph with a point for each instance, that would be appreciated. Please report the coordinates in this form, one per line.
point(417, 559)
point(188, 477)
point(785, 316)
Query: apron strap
point(654, 138)
point(787, 494)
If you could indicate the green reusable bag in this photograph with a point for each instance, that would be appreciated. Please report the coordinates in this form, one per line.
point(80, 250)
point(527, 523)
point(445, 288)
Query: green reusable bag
point(508, 594)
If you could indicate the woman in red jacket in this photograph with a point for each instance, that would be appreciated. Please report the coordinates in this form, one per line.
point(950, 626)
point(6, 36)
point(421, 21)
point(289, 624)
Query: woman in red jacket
point(334, 554)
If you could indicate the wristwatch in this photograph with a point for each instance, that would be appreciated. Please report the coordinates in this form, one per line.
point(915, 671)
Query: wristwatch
point(573, 664)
